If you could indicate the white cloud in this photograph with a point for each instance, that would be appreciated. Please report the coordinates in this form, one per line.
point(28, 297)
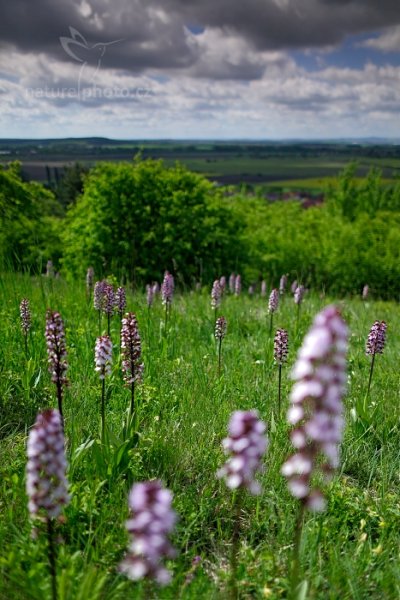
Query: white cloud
point(223, 54)
point(388, 41)
point(205, 100)
point(85, 9)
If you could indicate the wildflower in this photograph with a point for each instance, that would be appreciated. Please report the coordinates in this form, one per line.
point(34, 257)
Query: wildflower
point(316, 410)
point(273, 301)
point(103, 356)
point(103, 362)
point(46, 483)
point(263, 288)
point(120, 300)
point(131, 349)
point(56, 349)
point(281, 346)
point(149, 295)
point(104, 297)
point(167, 289)
point(299, 294)
point(220, 328)
point(156, 288)
point(151, 522)
point(283, 284)
point(294, 286)
point(56, 353)
point(220, 332)
point(232, 280)
point(376, 338)
point(272, 306)
point(238, 285)
point(108, 299)
point(251, 290)
point(98, 296)
point(222, 284)
point(375, 345)
point(280, 357)
point(25, 313)
point(247, 443)
point(216, 295)
point(365, 292)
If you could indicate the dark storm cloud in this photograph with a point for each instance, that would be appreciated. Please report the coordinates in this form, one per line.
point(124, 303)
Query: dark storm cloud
point(282, 24)
point(148, 37)
point(154, 34)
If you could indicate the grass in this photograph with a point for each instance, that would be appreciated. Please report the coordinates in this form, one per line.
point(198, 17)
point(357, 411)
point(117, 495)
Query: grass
point(350, 551)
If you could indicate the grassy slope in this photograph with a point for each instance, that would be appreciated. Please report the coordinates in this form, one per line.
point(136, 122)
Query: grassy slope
point(351, 551)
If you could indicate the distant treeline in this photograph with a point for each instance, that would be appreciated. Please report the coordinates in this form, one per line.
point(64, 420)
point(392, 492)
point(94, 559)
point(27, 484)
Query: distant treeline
point(137, 219)
point(76, 149)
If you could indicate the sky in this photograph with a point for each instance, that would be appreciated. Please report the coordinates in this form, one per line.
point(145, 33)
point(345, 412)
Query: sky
point(200, 69)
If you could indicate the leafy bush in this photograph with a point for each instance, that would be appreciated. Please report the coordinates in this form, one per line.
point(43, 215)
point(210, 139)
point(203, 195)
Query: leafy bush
point(139, 219)
point(350, 198)
point(335, 250)
point(29, 221)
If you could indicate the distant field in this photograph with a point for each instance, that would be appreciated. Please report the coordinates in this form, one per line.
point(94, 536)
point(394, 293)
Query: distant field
point(284, 170)
point(296, 165)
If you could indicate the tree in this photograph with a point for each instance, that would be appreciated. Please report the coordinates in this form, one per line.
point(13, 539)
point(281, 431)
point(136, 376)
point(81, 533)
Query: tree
point(137, 219)
point(70, 185)
point(29, 219)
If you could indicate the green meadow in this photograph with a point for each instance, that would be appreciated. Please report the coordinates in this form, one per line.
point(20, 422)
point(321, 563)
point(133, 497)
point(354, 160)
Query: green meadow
point(350, 551)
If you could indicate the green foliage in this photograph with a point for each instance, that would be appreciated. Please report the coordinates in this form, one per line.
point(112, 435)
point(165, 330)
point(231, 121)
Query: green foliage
point(351, 240)
point(29, 222)
point(139, 219)
point(351, 198)
point(70, 186)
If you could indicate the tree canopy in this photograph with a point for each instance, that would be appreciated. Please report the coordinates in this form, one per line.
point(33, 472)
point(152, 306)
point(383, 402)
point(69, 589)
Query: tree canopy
point(137, 219)
point(29, 218)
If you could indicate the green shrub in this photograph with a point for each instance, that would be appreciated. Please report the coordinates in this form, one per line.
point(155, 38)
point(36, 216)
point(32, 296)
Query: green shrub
point(137, 219)
point(321, 247)
point(29, 222)
point(141, 218)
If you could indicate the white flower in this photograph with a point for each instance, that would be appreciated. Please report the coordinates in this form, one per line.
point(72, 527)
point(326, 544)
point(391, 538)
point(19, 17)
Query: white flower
point(152, 521)
point(247, 444)
point(46, 483)
point(316, 409)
